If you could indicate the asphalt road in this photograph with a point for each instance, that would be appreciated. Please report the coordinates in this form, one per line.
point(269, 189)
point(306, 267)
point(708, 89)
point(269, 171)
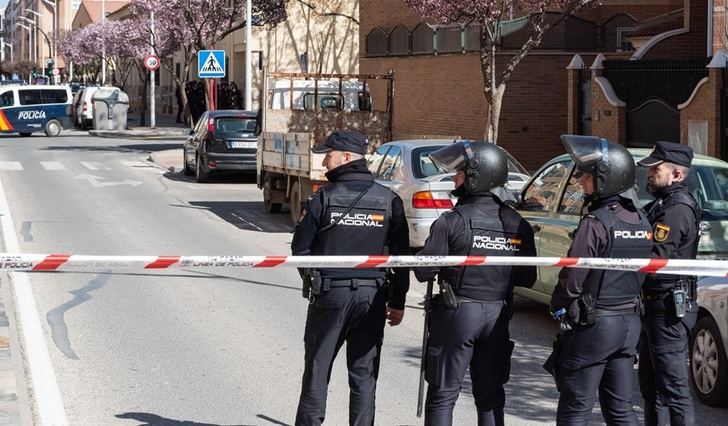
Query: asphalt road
point(205, 346)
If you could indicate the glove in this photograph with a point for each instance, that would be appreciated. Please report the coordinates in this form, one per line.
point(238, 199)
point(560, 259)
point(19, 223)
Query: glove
point(559, 314)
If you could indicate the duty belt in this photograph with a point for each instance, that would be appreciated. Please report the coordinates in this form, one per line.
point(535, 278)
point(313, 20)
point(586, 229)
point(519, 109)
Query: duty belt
point(354, 283)
point(607, 312)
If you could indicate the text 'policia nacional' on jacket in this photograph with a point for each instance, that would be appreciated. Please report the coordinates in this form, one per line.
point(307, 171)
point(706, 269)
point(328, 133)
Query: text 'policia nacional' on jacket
point(611, 229)
point(675, 216)
point(377, 221)
point(480, 225)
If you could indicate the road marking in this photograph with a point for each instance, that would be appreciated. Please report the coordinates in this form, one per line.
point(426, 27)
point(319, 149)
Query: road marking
point(95, 166)
point(96, 181)
point(135, 163)
point(52, 165)
point(11, 165)
point(43, 388)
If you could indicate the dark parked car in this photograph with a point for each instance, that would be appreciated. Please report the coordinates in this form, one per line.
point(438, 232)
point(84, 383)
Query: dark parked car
point(223, 140)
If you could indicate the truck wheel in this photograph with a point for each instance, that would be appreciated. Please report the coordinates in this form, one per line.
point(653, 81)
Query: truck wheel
point(296, 202)
point(185, 167)
point(708, 365)
point(53, 128)
point(270, 207)
point(201, 175)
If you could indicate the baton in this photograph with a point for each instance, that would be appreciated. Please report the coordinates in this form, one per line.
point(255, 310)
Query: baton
point(423, 357)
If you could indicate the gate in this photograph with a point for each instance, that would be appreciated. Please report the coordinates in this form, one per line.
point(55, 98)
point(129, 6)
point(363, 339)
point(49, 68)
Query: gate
point(652, 90)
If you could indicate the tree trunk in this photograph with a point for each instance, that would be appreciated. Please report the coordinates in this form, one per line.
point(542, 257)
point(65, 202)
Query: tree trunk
point(494, 100)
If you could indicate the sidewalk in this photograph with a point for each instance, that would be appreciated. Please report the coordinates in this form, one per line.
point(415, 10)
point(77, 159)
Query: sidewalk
point(170, 159)
point(166, 129)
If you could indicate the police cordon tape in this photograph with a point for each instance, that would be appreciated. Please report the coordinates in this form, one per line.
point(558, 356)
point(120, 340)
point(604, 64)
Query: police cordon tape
point(63, 262)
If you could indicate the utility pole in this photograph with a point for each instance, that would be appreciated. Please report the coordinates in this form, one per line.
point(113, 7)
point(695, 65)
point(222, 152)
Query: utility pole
point(152, 103)
point(248, 55)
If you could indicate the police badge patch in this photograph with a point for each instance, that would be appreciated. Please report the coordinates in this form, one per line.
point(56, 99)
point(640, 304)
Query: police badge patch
point(661, 232)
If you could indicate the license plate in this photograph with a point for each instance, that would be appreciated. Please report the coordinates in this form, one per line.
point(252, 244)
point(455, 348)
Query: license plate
point(243, 144)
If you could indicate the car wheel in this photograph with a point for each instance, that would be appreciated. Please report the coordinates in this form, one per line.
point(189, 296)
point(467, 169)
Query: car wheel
point(201, 175)
point(270, 207)
point(25, 134)
point(186, 170)
point(708, 366)
point(53, 128)
point(296, 202)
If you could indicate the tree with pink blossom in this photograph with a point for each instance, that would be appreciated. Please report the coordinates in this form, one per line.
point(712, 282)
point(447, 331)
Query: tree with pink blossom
point(490, 15)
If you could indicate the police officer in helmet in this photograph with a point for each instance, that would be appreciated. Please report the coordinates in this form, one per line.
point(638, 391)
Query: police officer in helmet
point(670, 306)
point(352, 215)
point(602, 306)
point(471, 328)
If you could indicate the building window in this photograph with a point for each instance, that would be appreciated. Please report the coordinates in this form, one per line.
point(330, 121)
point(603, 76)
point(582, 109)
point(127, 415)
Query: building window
point(612, 32)
point(376, 42)
point(423, 39)
point(472, 38)
point(399, 41)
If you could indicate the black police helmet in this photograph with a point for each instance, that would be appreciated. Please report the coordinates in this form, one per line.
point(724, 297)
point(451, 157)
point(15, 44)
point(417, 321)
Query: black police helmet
point(610, 164)
point(485, 164)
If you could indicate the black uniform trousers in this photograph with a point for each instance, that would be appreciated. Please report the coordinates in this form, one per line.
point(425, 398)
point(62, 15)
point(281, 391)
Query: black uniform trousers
point(475, 335)
point(664, 349)
point(598, 357)
point(354, 316)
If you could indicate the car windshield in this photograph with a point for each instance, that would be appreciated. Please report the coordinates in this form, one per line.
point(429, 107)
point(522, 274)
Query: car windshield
point(235, 125)
point(423, 167)
point(707, 184)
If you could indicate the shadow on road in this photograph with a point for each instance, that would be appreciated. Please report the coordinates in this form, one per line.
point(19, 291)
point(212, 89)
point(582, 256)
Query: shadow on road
point(134, 148)
point(222, 178)
point(247, 215)
point(148, 419)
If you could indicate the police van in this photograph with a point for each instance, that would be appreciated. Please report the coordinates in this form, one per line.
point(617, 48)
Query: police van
point(29, 109)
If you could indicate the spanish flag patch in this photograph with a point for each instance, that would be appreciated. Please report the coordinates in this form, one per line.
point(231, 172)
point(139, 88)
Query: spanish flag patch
point(661, 232)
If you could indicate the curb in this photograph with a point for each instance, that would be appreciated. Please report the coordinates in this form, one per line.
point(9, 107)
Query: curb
point(138, 136)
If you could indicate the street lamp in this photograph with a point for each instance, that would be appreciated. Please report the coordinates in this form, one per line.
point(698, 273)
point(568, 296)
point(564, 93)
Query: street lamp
point(54, 6)
point(30, 34)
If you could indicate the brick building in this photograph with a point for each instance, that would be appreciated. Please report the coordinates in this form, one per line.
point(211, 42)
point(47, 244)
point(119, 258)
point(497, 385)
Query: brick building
point(439, 85)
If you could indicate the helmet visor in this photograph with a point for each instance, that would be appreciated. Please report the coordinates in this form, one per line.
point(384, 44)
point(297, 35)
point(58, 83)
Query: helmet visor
point(453, 157)
point(585, 150)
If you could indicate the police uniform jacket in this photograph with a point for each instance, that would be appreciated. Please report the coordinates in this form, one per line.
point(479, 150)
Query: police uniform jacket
point(480, 225)
point(375, 225)
point(675, 218)
point(613, 228)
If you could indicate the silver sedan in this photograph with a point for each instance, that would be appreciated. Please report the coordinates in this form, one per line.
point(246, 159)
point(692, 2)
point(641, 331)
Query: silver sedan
point(405, 167)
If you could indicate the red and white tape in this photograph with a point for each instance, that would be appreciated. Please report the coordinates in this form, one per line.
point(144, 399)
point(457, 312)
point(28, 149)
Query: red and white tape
point(62, 262)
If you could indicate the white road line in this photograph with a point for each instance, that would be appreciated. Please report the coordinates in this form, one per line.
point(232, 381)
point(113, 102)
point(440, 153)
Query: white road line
point(52, 165)
point(46, 397)
point(135, 163)
point(95, 166)
point(11, 165)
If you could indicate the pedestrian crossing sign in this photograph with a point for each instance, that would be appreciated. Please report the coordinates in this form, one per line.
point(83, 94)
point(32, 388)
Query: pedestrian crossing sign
point(211, 63)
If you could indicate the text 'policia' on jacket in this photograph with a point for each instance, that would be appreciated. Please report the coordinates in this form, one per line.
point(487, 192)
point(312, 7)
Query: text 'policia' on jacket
point(363, 230)
point(490, 230)
point(625, 240)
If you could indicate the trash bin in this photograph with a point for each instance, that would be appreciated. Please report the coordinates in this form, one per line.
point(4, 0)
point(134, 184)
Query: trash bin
point(110, 106)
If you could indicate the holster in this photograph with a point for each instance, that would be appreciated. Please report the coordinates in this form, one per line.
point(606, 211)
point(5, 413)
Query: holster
point(587, 313)
point(448, 295)
point(312, 283)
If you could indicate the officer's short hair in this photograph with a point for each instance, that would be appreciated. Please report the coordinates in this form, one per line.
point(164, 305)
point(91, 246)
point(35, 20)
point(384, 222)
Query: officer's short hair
point(684, 170)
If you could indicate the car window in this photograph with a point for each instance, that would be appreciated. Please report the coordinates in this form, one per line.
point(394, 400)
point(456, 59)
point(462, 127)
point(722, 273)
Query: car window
point(422, 165)
point(54, 96)
point(376, 159)
point(573, 199)
point(708, 185)
point(29, 97)
point(235, 125)
point(7, 99)
point(542, 193)
point(390, 163)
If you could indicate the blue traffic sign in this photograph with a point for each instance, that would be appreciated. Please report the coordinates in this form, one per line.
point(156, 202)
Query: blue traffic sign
point(211, 63)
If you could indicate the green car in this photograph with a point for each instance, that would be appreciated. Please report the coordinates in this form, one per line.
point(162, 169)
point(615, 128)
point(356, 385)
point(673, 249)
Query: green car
point(552, 201)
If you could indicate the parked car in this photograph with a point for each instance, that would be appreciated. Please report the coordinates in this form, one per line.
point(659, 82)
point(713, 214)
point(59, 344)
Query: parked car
point(709, 343)
point(405, 167)
point(224, 140)
point(84, 116)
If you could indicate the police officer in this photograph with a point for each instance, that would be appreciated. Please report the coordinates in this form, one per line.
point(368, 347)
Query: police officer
point(670, 307)
point(352, 215)
point(471, 329)
point(602, 306)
